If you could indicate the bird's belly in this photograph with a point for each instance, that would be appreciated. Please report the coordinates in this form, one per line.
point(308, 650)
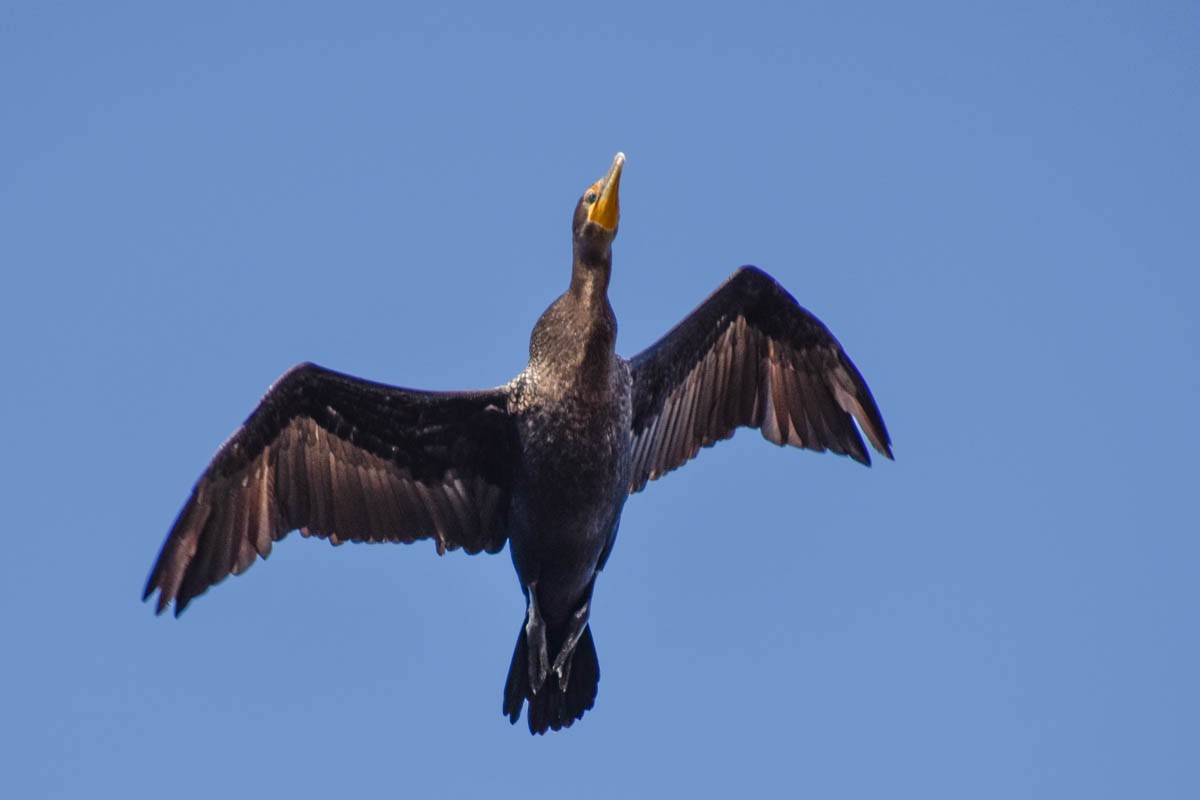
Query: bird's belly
point(567, 501)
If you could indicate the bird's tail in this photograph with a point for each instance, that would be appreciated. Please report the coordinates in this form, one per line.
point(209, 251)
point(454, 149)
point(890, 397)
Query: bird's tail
point(553, 707)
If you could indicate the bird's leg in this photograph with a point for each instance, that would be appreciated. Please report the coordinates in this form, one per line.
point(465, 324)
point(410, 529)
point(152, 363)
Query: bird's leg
point(535, 637)
point(562, 662)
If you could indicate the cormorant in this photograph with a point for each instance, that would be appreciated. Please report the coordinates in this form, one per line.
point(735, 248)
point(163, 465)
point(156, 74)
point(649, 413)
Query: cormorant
point(544, 462)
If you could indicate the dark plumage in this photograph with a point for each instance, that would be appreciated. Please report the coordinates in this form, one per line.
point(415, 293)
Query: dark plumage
point(545, 462)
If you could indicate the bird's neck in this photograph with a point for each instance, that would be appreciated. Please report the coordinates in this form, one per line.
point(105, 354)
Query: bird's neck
point(588, 294)
point(574, 341)
point(590, 272)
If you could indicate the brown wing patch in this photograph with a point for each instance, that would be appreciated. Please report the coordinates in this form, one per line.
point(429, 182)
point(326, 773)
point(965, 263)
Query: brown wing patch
point(748, 356)
point(296, 464)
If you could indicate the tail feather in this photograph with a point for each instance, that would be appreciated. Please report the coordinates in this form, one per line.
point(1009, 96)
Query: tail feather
point(552, 708)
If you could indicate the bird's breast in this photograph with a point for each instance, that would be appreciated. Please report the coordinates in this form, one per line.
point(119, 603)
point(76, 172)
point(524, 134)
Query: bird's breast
point(574, 477)
point(576, 446)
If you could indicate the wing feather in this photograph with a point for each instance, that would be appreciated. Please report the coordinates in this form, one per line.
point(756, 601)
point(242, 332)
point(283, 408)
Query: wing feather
point(749, 356)
point(346, 460)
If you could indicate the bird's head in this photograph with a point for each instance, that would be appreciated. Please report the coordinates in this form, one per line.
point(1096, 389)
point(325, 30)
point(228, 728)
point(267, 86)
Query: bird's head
point(598, 210)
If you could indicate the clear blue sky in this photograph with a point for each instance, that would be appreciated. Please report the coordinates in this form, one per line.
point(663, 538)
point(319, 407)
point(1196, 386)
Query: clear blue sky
point(995, 208)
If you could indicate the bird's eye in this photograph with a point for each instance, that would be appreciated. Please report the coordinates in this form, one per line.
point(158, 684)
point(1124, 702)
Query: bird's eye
point(591, 197)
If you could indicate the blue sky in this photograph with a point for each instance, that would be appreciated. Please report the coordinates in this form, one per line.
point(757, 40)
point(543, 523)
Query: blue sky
point(993, 206)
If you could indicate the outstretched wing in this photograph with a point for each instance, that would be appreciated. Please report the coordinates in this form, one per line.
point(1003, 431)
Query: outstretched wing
point(347, 460)
point(748, 355)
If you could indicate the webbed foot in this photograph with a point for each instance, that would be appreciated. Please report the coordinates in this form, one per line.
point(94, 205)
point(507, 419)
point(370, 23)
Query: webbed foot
point(562, 662)
point(535, 634)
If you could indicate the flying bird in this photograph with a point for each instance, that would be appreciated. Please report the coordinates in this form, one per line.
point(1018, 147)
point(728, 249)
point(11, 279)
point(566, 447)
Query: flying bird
point(544, 462)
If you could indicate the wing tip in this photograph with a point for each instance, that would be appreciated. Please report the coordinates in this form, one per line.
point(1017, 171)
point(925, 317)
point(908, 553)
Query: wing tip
point(160, 605)
point(879, 438)
point(164, 599)
point(153, 585)
point(861, 456)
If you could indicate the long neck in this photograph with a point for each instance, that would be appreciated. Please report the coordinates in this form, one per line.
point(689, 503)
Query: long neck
point(591, 269)
point(574, 339)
